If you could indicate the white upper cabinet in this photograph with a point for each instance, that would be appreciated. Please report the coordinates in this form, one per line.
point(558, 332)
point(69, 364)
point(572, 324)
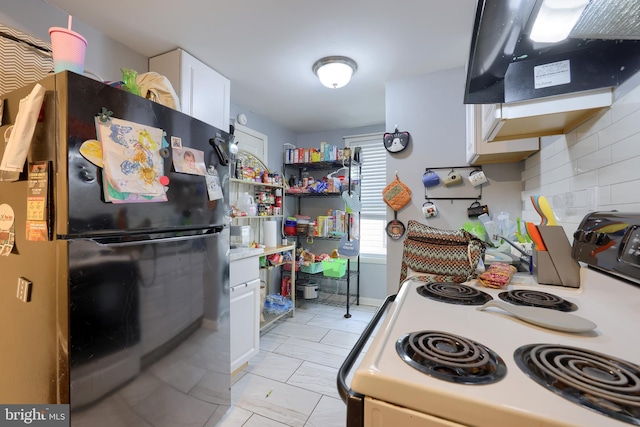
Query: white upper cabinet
point(204, 93)
point(480, 151)
point(554, 115)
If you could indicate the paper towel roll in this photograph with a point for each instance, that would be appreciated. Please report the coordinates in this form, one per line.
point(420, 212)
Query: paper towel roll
point(270, 234)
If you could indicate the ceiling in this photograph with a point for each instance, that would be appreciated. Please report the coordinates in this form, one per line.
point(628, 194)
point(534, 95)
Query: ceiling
point(267, 48)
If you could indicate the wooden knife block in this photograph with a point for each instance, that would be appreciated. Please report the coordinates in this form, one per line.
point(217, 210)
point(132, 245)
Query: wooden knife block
point(555, 266)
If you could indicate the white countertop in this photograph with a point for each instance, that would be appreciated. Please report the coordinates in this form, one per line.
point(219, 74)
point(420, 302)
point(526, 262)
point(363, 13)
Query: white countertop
point(241, 253)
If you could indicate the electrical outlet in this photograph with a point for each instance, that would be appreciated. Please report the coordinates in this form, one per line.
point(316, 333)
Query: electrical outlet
point(24, 290)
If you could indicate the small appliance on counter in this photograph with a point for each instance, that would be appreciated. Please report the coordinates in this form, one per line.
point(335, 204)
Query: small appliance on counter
point(240, 236)
point(437, 360)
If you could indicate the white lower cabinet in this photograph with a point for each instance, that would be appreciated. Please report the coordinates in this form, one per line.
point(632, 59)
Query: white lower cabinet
point(245, 311)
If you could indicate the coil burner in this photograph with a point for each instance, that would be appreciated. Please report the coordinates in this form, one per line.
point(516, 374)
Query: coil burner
point(453, 293)
point(599, 382)
point(537, 299)
point(451, 358)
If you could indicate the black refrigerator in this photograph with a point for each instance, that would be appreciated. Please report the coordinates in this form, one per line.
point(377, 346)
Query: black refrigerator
point(119, 308)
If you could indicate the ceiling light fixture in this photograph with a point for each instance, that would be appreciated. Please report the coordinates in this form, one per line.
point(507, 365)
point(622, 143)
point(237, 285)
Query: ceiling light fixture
point(335, 71)
point(556, 19)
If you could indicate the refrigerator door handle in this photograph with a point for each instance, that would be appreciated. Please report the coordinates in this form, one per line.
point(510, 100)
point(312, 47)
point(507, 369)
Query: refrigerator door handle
point(109, 242)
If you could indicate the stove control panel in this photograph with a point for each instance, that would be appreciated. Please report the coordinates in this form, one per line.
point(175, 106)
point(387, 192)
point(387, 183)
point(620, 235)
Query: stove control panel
point(630, 252)
point(610, 241)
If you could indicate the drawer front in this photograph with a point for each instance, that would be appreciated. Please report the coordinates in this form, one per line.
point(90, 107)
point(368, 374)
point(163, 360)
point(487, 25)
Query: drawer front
point(244, 270)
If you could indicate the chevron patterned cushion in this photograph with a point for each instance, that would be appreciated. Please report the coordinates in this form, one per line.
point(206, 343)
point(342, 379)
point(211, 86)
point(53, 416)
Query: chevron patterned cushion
point(442, 255)
point(24, 59)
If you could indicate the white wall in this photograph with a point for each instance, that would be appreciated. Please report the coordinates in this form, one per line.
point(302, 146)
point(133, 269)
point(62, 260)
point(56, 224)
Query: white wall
point(277, 134)
point(431, 109)
point(594, 167)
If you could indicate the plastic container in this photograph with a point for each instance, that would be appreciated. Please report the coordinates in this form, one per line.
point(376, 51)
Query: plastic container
point(504, 227)
point(491, 228)
point(290, 228)
point(246, 204)
point(240, 235)
point(302, 227)
point(307, 290)
point(68, 50)
point(129, 77)
point(334, 267)
point(312, 268)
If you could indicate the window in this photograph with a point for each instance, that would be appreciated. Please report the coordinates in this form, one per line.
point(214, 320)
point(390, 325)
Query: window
point(373, 239)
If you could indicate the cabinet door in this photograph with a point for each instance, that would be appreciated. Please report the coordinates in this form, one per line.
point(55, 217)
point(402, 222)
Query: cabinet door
point(245, 323)
point(480, 151)
point(490, 121)
point(204, 93)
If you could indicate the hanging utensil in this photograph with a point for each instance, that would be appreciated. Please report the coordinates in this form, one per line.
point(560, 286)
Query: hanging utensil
point(395, 229)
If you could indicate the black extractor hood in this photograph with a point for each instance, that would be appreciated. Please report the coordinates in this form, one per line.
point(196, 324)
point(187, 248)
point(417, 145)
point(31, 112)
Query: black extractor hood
point(603, 50)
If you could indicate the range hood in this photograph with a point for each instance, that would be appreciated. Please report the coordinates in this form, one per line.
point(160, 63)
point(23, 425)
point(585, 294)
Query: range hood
point(505, 66)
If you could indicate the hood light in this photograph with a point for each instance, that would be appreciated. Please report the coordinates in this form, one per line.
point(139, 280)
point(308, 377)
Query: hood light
point(556, 19)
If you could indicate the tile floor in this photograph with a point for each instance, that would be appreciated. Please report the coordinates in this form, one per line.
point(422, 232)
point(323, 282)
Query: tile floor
point(292, 382)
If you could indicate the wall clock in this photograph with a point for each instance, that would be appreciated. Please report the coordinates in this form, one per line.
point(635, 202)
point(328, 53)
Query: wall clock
point(396, 142)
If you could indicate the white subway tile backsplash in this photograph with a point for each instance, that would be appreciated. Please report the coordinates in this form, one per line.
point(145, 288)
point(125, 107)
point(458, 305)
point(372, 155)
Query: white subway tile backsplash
point(621, 129)
point(624, 171)
point(529, 174)
point(600, 121)
point(559, 159)
point(572, 139)
point(530, 185)
point(583, 181)
point(566, 170)
point(596, 166)
point(532, 161)
point(626, 148)
point(584, 146)
point(604, 196)
point(547, 147)
point(629, 104)
point(624, 192)
point(595, 160)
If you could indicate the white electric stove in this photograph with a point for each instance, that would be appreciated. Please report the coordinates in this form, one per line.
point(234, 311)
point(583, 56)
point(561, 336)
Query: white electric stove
point(495, 370)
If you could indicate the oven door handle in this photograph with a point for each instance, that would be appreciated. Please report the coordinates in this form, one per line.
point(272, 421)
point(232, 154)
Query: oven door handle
point(354, 400)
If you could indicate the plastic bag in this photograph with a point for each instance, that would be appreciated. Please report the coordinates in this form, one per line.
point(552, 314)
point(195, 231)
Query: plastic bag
point(277, 304)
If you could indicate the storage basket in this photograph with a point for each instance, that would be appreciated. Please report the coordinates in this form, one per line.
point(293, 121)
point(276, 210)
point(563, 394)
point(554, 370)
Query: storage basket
point(312, 268)
point(334, 267)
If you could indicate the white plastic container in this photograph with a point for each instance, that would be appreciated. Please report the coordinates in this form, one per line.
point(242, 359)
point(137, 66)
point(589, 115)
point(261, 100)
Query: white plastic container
point(240, 235)
point(246, 204)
